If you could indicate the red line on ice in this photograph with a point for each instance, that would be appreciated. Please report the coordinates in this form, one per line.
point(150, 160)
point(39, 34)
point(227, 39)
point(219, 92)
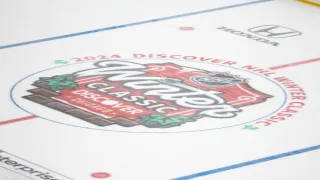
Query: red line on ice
point(17, 120)
point(295, 64)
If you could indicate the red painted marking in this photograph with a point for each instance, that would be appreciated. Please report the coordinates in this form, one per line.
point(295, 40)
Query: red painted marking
point(295, 64)
point(17, 120)
point(100, 175)
point(186, 28)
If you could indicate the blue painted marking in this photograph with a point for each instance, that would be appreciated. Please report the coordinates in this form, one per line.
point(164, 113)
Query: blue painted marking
point(130, 24)
point(249, 163)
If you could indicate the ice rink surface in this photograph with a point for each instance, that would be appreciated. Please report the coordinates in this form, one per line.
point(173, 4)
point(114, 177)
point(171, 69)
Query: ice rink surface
point(156, 90)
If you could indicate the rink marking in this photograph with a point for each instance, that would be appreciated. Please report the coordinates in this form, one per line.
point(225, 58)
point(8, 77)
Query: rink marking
point(249, 163)
point(132, 24)
point(310, 3)
point(204, 173)
point(17, 120)
point(295, 64)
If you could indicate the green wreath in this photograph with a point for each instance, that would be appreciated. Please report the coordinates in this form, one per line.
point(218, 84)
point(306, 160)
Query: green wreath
point(60, 82)
point(161, 121)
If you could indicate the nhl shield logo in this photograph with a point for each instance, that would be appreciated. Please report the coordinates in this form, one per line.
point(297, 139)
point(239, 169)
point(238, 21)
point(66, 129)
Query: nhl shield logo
point(218, 79)
point(113, 94)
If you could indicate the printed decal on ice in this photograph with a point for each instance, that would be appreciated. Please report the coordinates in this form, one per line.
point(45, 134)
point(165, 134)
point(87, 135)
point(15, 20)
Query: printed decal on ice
point(153, 95)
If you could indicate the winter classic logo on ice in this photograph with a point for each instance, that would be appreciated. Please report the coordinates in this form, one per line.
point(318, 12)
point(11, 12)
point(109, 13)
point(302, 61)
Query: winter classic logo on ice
point(149, 95)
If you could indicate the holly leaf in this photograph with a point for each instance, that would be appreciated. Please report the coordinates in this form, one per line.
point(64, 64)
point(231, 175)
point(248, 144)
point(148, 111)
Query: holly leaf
point(60, 82)
point(161, 121)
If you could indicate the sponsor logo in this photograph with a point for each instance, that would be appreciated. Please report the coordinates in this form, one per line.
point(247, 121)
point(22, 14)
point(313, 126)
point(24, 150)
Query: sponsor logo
point(274, 31)
point(249, 36)
point(267, 31)
point(127, 94)
point(150, 94)
point(27, 169)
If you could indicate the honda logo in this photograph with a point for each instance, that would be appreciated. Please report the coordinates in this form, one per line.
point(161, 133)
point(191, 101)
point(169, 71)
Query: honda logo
point(274, 31)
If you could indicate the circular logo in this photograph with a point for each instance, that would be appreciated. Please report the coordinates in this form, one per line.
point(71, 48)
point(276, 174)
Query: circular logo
point(217, 79)
point(149, 95)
